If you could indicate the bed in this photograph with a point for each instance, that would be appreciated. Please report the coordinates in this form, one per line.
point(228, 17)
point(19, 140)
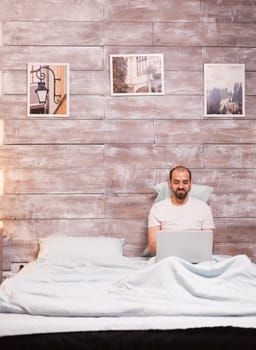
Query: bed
point(83, 293)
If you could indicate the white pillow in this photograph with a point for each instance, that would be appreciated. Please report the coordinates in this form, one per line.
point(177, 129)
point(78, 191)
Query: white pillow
point(202, 192)
point(60, 248)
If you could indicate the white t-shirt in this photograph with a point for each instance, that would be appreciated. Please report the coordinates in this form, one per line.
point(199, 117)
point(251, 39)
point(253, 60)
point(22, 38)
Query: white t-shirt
point(193, 215)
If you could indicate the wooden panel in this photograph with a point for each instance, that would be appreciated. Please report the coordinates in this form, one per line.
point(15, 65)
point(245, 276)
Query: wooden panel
point(235, 230)
point(77, 132)
point(230, 205)
point(80, 83)
point(87, 107)
point(79, 57)
point(228, 11)
point(145, 11)
point(235, 236)
point(230, 156)
point(64, 10)
point(236, 249)
point(205, 34)
point(128, 180)
point(231, 55)
point(30, 231)
point(206, 131)
point(183, 82)
point(52, 157)
point(227, 180)
point(76, 33)
point(51, 207)
point(14, 82)
point(250, 81)
point(133, 230)
point(128, 205)
point(174, 131)
point(70, 180)
point(148, 156)
point(160, 107)
point(13, 106)
point(134, 249)
point(250, 107)
point(78, 180)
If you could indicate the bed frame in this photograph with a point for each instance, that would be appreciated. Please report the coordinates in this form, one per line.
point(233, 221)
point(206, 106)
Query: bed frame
point(196, 338)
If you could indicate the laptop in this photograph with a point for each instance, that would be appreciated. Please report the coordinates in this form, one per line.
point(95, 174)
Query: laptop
point(191, 245)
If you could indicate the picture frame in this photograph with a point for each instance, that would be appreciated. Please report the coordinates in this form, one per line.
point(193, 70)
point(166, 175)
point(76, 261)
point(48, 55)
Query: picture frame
point(224, 90)
point(47, 89)
point(136, 74)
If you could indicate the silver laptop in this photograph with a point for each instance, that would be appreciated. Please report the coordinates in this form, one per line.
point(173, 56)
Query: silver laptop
point(191, 245)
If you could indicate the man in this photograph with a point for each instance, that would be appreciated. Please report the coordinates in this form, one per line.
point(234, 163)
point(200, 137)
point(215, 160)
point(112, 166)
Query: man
point(180, 212)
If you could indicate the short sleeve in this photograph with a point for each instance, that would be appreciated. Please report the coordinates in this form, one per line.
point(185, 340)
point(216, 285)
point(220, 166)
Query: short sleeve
point(208, 221)
point(152, 218)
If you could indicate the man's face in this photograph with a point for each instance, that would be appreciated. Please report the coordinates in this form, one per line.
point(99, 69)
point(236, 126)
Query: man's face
point(180, 184)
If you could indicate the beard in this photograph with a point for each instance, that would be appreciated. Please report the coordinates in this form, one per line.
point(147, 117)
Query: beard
point(181, 194)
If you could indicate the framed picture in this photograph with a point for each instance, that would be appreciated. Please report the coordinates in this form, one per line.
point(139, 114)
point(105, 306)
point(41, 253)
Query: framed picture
point(135, 74)
point(224, 90)
point(48, 89)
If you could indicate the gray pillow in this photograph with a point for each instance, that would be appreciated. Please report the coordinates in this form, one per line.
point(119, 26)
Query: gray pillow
point(202, 192)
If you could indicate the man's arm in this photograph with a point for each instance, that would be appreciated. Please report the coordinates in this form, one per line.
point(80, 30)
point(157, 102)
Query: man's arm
point(152, 238)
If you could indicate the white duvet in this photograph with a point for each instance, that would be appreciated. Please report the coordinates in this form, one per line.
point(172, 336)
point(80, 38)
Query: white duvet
point(125, 287)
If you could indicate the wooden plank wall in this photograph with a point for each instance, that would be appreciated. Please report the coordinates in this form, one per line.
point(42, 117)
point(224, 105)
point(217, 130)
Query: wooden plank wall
point(93, 172)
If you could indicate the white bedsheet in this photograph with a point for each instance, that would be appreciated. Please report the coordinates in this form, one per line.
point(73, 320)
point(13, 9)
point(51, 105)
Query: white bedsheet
point(16, 324)
point(128, 288)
